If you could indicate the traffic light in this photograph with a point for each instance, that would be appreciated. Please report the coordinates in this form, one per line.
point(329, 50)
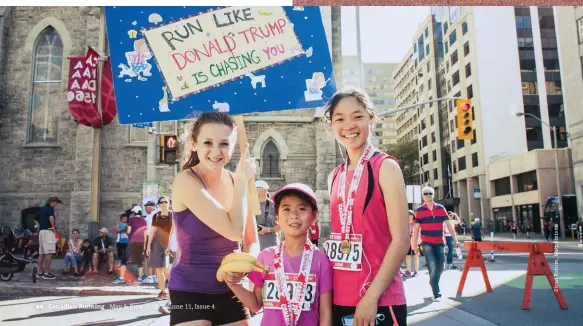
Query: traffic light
point(168, 149)
point(465, 130)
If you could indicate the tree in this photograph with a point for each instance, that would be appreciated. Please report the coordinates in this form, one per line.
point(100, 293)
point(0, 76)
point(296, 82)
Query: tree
point(407, 153)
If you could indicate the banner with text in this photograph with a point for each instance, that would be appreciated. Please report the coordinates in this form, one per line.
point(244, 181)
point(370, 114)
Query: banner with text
point(81, 94)
point(176, 62)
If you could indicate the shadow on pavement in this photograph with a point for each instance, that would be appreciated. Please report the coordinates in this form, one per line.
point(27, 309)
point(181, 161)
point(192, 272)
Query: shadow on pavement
point(122, 322)
point(504, 305)
point(86, 307)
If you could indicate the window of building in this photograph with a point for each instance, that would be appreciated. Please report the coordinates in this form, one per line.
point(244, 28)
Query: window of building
point(424, 140)
point(523, 22)
point(433, 136)
point(529, 88)
point(454, 58)
point(429, 84)
point(446, 49)
point(270, 160)
point(426, 176)
point(466, 48)
point(556, 111)
point(445, 27)
point(475, 137)
point(474, 160)
point(464, 28)
point(423, 124)
point(435, 175)
point(526, 181)
point(553, 87)
point(426, 158)
point(428, 66)
point(470, 92)
point(453, 146)
point(454, 166)
point(525, 43)
point(434, 155)
point(452, 38)
point(431, 119)
point(426, 32)
point(460, 143)
point(502, 187)
point(427, 50)
point(421, 160)
point(461, 162)
point(455, 78)
point(46, 94)
point(580, 29)
point(451, 125)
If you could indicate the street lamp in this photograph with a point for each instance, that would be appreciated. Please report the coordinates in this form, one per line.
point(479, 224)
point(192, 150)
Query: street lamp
point(554, 129)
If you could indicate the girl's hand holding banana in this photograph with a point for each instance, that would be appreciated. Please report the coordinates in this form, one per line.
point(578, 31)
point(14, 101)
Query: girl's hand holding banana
point(235, 265)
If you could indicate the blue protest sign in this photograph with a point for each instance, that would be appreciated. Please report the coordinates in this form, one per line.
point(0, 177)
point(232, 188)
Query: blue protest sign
point(143, 125)
point(173, 63)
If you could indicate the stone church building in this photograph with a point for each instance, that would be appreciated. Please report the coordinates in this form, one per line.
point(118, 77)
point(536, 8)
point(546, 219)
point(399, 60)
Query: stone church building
point(44, 152)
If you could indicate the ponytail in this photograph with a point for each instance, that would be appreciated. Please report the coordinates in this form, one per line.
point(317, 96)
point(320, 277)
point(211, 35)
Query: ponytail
point(192, 161)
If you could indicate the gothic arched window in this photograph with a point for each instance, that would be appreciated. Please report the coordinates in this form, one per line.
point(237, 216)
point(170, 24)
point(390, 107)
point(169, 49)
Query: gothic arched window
point(270, 160)
point(46, 93)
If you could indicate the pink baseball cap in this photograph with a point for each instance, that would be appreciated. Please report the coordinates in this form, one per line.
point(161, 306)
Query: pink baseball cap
point(299, 187)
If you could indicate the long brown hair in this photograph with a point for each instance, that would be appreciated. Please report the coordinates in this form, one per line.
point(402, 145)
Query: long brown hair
point(361, 97)
point(193, 129)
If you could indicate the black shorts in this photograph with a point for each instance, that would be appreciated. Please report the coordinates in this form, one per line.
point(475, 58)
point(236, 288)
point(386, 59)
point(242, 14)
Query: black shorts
point(400, 313)
point(411, 252)
point(122, 253)
point(219, 309)
point(135, 253)
point(314, 242)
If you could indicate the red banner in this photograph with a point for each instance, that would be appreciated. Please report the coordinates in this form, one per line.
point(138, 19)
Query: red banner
point(108, 106)
point(82, 95)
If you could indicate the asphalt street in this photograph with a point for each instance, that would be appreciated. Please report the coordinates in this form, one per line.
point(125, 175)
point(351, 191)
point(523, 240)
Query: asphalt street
point(473, 307)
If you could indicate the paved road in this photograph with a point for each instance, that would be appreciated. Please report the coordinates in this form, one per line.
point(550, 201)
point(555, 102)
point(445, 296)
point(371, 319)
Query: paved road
point(474, 307)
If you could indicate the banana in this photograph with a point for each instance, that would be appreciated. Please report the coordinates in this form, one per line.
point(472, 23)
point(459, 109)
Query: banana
point(242, 256)
point(237, 266)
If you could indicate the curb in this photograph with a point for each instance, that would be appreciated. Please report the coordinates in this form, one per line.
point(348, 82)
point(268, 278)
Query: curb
point(25, 290)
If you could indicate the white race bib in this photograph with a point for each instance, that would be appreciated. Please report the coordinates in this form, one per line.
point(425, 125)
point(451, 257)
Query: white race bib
point(271, 292)
point(350, 262)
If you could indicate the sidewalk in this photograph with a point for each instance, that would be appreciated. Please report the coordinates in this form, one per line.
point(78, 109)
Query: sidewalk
point(70, 285)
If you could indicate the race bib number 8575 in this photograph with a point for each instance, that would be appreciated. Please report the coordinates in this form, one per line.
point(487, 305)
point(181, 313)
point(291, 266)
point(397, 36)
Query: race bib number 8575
point(351, 261)
point(271, 291)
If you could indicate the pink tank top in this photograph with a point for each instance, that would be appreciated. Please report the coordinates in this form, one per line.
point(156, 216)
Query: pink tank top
point(373, 225)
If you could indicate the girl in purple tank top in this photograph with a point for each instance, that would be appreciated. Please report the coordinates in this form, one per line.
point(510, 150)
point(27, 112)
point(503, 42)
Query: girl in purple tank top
point(211, 219)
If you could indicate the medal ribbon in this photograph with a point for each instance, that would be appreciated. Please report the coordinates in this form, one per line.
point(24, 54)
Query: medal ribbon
point(292, 308)
point(345, 208)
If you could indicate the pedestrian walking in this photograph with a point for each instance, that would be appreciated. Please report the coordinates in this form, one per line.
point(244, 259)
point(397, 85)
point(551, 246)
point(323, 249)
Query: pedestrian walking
point(430, 219)
point(514, 229)
point(453, 220)
point(157, 249)
point(369, 232)
point(412, 255)
point(122, 246)
point(136, 231)
point(477, 230)
point(266, 226)
point(212, 221)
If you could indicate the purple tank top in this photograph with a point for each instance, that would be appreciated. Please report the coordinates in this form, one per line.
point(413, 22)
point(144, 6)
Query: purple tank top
point(201, 251)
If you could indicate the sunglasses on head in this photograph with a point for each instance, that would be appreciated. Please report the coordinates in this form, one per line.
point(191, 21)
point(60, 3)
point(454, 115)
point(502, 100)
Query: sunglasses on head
point(163, 202)
point(427, 194)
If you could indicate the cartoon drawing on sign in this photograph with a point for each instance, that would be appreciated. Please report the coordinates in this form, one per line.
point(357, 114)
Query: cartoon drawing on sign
point(125, 71)
point(309, 52)
point(256, 79)
point(163, 104)
point(314, 87)
point(132, 33)
point(183, 83)
point(137, 61)
point(221, 107)
point(155, 18)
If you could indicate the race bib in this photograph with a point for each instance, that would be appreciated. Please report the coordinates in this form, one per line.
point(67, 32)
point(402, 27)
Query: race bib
point(271, 291)
point(348, 262)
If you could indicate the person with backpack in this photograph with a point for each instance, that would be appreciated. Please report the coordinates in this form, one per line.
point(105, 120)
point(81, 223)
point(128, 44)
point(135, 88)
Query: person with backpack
point(266, 227)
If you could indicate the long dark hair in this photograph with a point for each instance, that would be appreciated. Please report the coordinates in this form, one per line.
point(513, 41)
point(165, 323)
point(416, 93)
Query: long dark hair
point(360, 96)
point(191, 158)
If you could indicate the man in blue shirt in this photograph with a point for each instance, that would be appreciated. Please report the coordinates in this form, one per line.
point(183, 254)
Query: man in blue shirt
point(45, 218)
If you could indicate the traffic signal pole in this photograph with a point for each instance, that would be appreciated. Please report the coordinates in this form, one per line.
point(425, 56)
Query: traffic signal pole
point(411, 106)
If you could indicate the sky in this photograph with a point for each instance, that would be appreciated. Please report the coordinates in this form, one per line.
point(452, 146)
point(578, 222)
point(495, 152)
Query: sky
point(386, 32)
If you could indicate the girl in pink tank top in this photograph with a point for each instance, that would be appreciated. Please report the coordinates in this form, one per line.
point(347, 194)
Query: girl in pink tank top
point(369, 239)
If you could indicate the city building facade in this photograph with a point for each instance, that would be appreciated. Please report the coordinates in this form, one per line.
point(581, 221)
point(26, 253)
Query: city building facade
point(291, 146)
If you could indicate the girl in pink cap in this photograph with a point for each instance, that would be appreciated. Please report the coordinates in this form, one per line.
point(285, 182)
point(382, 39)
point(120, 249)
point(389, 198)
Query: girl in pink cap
point(368, 211)
point(297, 267)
